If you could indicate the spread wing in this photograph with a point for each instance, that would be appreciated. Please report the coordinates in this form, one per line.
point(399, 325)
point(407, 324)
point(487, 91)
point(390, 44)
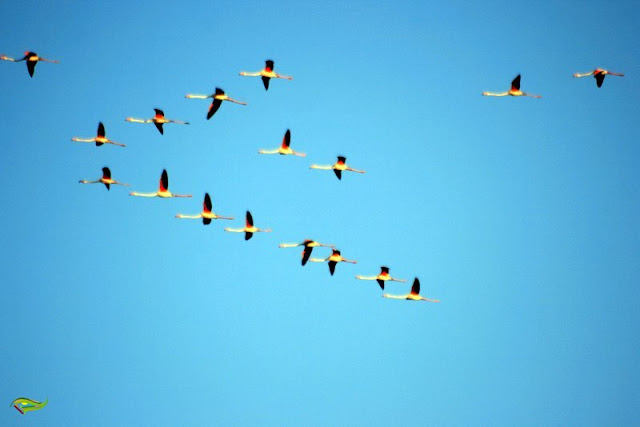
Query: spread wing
point(164, 181)
point(31, 67)
point(332, 267)
point(213, 108)
point(515, 84)
point(286, 141)
point(415, 288)
point(206, 206)
point(306, 253)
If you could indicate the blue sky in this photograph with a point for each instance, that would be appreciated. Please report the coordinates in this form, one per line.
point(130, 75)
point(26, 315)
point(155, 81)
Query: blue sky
point(519, 214)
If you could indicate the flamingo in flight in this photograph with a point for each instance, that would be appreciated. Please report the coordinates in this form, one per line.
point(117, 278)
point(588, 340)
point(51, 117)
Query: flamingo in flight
point(334, 259)
point(514, 91)
point(338, 167)
point(249, 228)
point(99, 139)
point(32, 59)
point(284, 148)
point(106, 179)
point(207, 214)
point(266, 73)
point(218, 97)
point(599, 74)
point(414, 295)
point(381, 278)
point(308, 248)
point(163, 189)
point(157, 120)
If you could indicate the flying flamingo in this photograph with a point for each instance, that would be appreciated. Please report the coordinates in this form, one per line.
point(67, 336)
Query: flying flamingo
point(157, 120)
point(267, 74)
point(308, 248)
point(381, 278)
point(32, 59)
point(207, 214)
point(414, 295)
point(106, 179)
point(99, 139)
point(163, 189)
point(598, 74)
point(334, 259)
point(284, 147)
point(337, 167)
point(514, 91)
point(248, 229)
point(218, 97)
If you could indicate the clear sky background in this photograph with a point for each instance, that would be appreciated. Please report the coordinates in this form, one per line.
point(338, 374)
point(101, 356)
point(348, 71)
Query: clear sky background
point(520, 214)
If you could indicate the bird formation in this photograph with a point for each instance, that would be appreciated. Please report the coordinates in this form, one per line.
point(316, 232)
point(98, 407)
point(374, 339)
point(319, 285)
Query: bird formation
point(207, 214)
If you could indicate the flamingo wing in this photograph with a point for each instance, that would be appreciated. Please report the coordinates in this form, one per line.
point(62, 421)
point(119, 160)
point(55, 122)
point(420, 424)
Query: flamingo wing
point(206, 221)
point(415, 288)
point(306, 253)
point(286, 141)
point(214, 107)
point(265, 82)
point(249, 221)
point(599, 79)
point(268, 65)
point(515, 84)
point(101, 131)
point(248, 235)
point(381, 283)
point(332, 267)
point(106, 173)
point(164, 181)
point(206, 205)
point(31, 67)
point(159, 127)
point(338, 173)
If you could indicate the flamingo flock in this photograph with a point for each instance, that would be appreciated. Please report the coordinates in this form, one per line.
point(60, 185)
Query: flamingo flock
point(207, 214)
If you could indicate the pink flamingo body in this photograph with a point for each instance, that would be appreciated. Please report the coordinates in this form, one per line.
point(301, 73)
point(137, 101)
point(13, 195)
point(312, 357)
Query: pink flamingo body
point(266, 73)
point(32, 59)
point(308, 248)
point(414, 295)
point(163, 189)
point(100, 138)
point(218, 96)
point(249, 228)
point(207, 214)
point(599, 74)
point(284, 148)
point(106, 179)
point(158, 120)
point(382, 277)
point(514, 91)
point(333, 260)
